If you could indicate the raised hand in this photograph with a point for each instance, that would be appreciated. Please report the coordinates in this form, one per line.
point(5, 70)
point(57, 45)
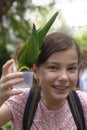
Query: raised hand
point(9, 77)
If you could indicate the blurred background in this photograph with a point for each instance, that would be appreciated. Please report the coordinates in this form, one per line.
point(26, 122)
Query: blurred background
point(17, 17)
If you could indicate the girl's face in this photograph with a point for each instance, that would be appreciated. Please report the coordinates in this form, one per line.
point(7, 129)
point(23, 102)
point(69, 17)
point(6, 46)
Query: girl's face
point(58, 75)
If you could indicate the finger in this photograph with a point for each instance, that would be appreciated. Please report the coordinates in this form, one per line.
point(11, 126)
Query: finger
point(14, 92)
point(6, 66)
point(12, 76)
point(9, 80)
point(9, 93)
point(9, 84)
point(12, 68)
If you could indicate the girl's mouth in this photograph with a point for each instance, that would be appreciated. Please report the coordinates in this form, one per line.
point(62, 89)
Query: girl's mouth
point(58, 87)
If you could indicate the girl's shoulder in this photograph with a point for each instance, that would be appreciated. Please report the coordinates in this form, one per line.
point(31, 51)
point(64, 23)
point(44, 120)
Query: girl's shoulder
point(82, 94)
point(83, 98)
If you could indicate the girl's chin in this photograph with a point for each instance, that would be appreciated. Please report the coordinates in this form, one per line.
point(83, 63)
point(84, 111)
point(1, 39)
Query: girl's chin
point(60, 94)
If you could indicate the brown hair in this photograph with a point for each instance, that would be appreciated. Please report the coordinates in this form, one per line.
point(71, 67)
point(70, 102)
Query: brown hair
point(56, 42)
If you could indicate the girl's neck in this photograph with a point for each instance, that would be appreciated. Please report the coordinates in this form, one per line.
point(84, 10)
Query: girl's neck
point(53, 105)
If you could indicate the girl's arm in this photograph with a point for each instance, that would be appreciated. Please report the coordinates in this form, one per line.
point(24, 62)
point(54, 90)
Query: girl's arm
point(5, 115)
point(8, 79)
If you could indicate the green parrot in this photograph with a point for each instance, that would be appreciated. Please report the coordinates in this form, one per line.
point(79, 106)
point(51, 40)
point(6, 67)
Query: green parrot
point(31, 49)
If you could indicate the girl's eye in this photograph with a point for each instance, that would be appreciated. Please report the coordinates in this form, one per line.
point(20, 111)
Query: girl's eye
point(72, 68)
point(52, 67)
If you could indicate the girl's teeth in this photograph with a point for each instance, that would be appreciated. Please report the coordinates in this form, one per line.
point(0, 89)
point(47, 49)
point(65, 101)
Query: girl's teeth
point(60, 87)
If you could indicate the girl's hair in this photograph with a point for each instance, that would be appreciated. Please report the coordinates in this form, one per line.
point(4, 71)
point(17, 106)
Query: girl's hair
point(56, 42)
point(53, 43)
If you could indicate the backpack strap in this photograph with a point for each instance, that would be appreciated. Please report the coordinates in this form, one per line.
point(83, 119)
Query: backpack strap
point(32, 103)
point(77, 110)
point(30, 108)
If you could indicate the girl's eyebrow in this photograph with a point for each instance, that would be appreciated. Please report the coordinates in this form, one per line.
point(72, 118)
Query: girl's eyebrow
point(75, 63)
point(58, 64)
point(53, 62)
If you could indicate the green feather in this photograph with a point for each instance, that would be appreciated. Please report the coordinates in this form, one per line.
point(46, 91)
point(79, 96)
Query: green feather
point(31, 49)
point(42, 32)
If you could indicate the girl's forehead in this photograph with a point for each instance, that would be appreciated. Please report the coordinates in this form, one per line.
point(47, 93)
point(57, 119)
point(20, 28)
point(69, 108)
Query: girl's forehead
point(70, 51)
point(67, 55)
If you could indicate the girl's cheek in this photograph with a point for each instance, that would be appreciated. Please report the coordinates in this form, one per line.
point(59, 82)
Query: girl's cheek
point(74, 79)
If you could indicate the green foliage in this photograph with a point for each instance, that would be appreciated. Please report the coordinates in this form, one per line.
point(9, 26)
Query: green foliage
point(81, 38)
point(13, 30)
point(6, 127)
point(16, 27)
point(4, 55)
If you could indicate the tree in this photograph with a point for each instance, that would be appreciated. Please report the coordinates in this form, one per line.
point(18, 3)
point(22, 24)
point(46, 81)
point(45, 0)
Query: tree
point(4, 7)
point(81, 37)
point(15, 27)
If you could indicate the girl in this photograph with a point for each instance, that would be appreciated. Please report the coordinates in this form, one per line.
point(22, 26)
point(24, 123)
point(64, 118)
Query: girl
point(56, 73)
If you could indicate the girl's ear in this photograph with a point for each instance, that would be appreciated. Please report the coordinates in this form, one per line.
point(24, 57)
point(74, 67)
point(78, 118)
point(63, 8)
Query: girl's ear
point(35, 70)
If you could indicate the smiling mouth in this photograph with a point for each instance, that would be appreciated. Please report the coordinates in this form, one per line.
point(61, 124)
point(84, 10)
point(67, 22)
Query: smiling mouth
point(60, 87)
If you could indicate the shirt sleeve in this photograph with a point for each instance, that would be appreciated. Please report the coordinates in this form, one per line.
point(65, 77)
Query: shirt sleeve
point(16, 105)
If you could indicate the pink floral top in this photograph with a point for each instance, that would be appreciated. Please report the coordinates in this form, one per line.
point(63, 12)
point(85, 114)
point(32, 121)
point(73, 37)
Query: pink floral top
point(45, 119)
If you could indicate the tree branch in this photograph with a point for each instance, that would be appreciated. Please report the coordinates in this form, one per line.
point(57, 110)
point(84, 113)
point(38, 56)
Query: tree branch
point(4, 7)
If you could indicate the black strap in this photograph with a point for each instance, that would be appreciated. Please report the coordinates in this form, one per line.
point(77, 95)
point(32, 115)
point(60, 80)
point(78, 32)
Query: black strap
point(31, 107)
point(32, 103)
point(77, 110)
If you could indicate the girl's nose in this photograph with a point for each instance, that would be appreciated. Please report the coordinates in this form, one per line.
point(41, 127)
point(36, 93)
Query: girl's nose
point(63, 76)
